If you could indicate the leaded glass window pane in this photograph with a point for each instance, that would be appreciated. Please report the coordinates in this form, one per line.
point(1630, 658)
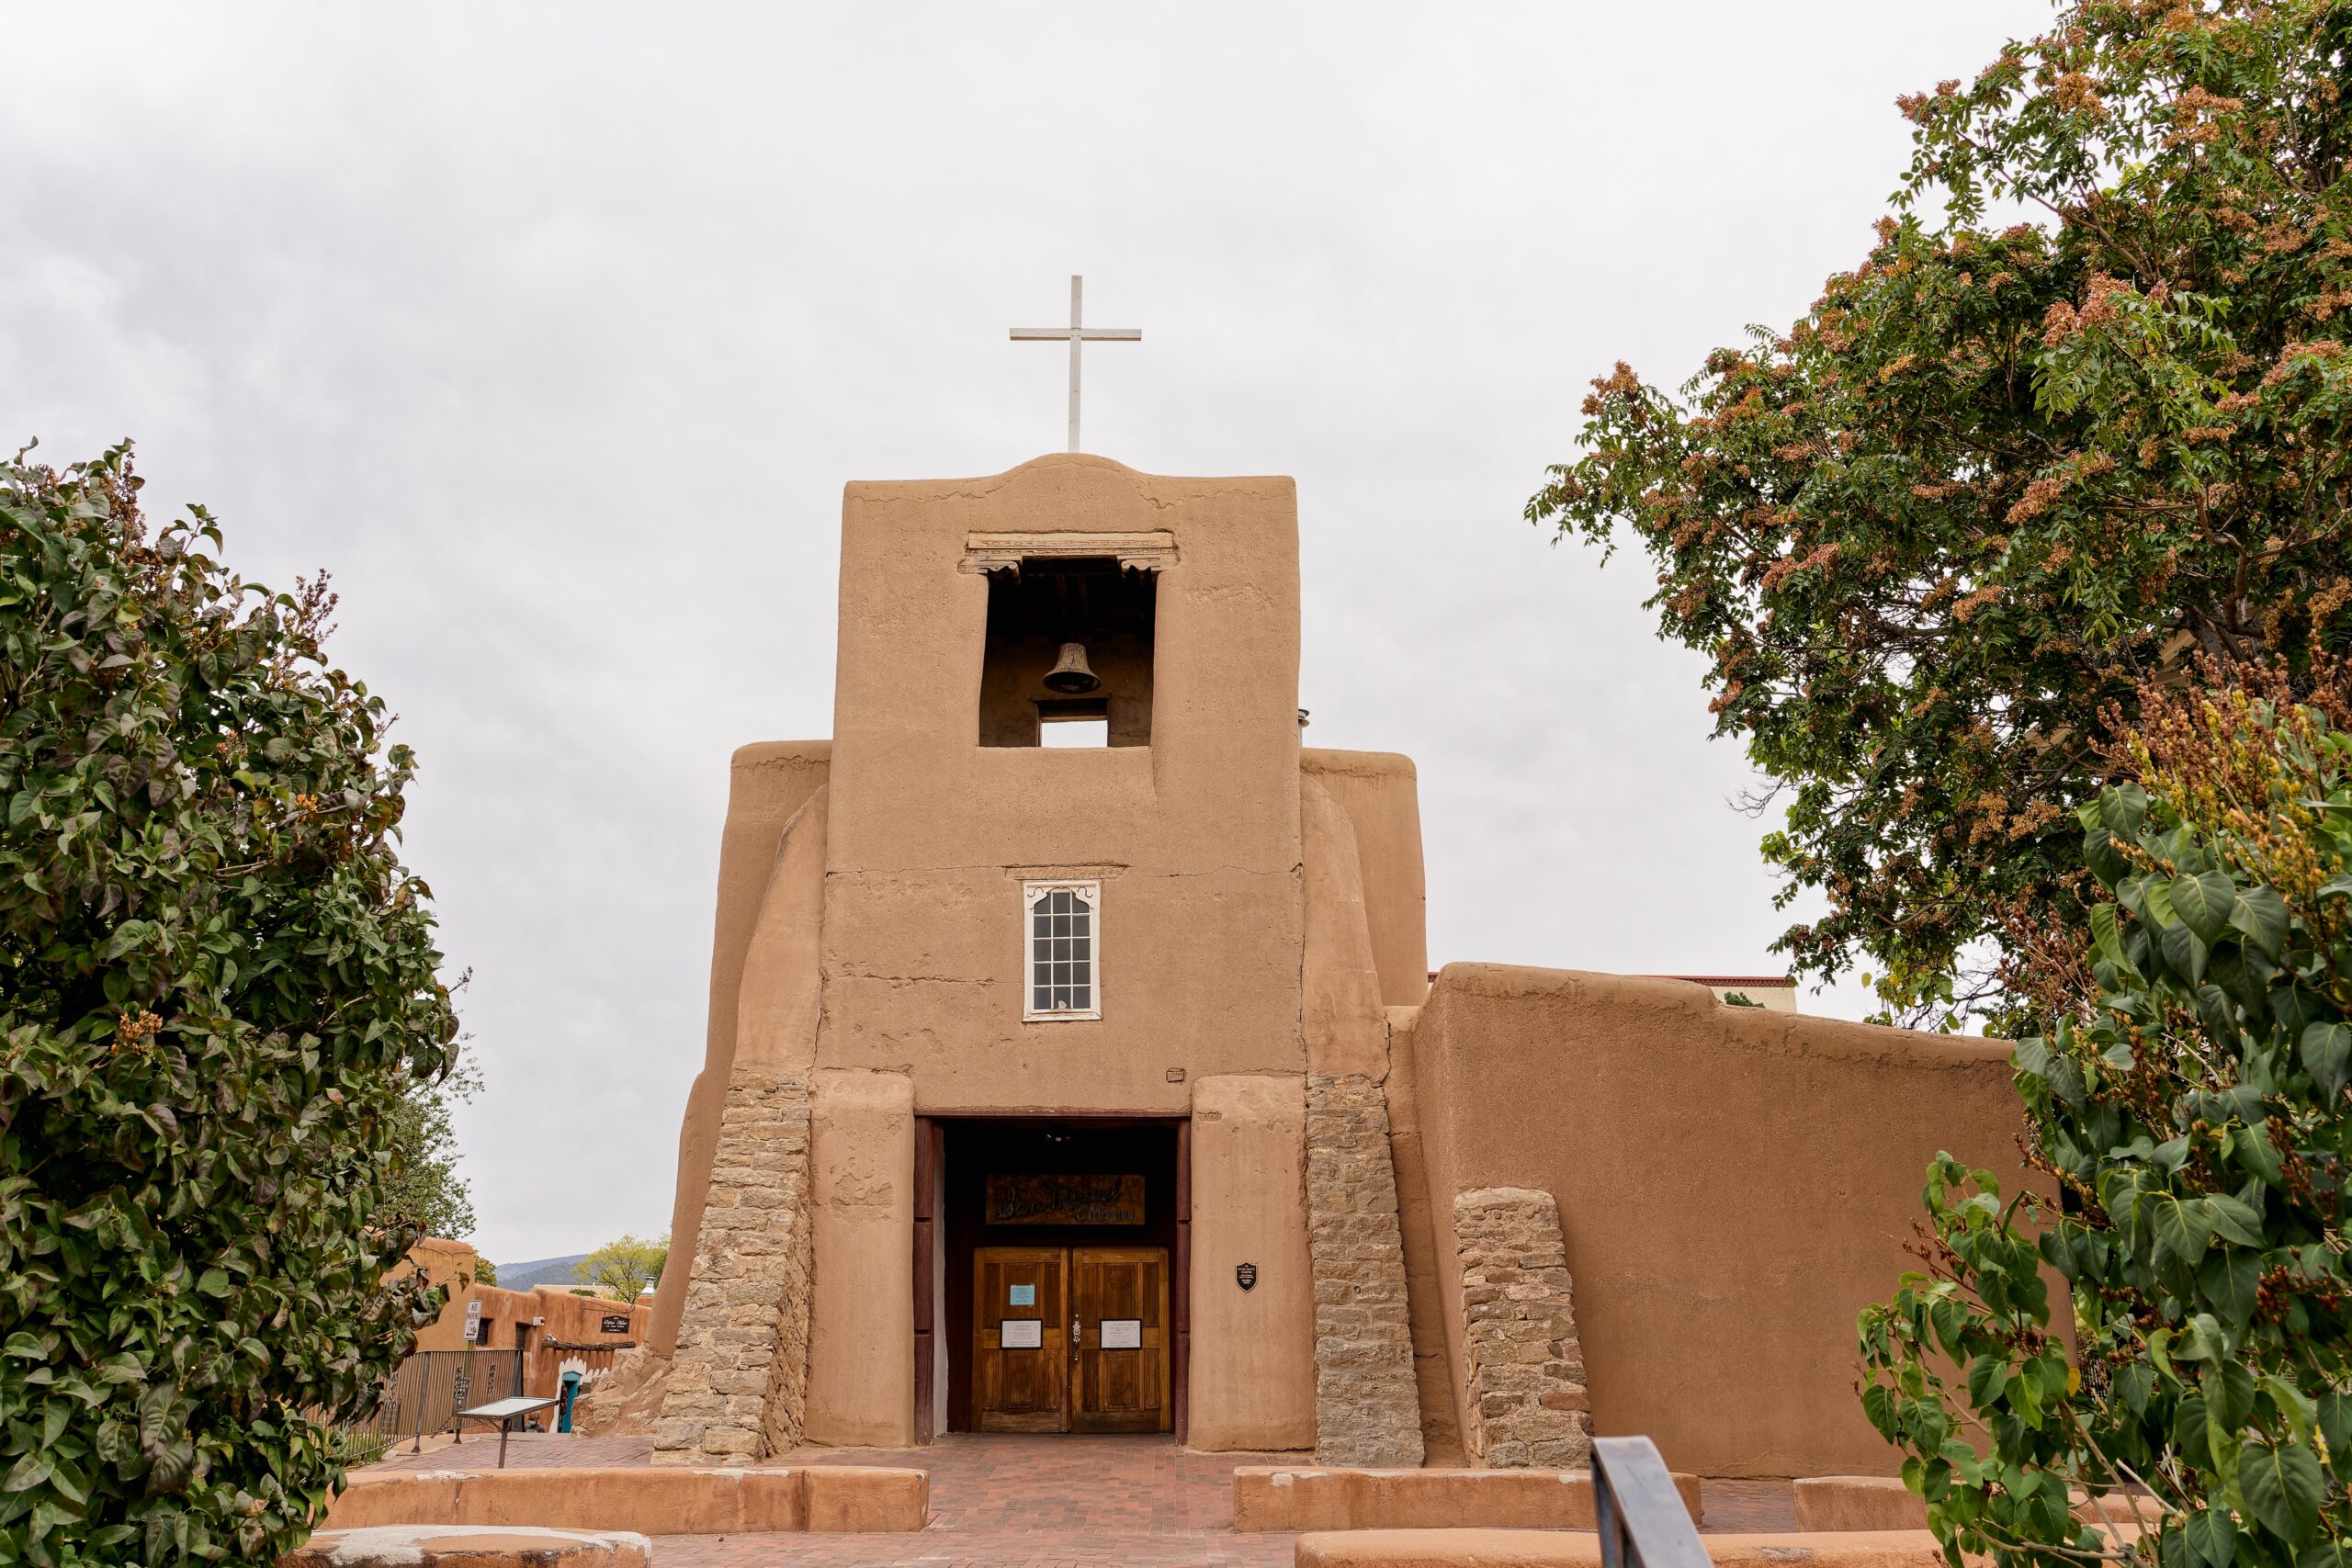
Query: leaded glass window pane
point(1061, 951)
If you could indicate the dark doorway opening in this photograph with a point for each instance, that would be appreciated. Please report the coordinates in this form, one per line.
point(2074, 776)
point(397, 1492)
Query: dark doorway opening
point(1093, 1216)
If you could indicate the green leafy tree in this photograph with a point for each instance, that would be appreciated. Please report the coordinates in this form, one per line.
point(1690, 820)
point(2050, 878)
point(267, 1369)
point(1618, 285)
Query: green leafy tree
point(623, 1268)
point(422, 1188)
point(2189, 1098)
point(1936, 534)
point(220, 986)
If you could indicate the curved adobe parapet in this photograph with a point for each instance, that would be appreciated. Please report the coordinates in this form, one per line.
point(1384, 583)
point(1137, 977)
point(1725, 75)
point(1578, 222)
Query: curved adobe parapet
point(769, 784)
point(1379, 794)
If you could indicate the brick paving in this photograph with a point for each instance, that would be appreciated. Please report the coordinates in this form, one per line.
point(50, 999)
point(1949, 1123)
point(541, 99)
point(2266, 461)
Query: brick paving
point(1015, 1502)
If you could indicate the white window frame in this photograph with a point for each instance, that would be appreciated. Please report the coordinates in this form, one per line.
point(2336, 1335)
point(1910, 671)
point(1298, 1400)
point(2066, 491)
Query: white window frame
point(1090, 895)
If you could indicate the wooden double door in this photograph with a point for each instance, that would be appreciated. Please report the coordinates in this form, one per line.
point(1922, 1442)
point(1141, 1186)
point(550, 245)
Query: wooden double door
point(1070, 1339)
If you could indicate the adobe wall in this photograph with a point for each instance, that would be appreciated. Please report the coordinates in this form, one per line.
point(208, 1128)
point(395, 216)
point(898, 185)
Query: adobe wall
point(862, 1323)
point(1734, 1184)
point(1252, 1377)
point(767, 783)
point(1196, 838)
point(1379, 794)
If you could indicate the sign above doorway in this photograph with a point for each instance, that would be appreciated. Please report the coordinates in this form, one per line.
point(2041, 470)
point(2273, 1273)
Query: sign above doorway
point(1065, 1198)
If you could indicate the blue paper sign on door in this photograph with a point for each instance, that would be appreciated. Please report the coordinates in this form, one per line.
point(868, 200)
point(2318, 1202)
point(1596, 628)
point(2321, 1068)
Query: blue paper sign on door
point(1022, 1296)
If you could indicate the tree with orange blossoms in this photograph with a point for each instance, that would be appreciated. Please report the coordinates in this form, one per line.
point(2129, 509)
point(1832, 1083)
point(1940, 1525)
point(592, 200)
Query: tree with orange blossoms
point(2004, 472)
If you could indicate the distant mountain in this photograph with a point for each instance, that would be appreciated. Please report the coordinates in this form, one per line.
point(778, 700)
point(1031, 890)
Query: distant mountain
point(539, 1271)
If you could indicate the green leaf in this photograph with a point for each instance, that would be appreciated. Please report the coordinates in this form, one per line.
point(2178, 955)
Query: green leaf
point(2192, 1430)
point(2180, 1228)
point(1986, 1376)
point(2132, 1383)
point(2211, 1536)
point(2327, 1055)
point(2229, 1389)
point(2204, 901)
point(2107, 936)
point(2261, 914)
point(2124, 808)
point(2233, 1218)
point(2229, 1281)
point(2283, 1486)
point(2335, 1417)
point(2250, 1147)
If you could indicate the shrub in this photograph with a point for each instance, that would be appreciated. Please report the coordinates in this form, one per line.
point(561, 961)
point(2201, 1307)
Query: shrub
point(219, 983)
point(2187, 1098)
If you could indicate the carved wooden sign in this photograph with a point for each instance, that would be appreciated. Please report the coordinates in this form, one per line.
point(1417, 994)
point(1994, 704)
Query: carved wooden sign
point(1064, 1200)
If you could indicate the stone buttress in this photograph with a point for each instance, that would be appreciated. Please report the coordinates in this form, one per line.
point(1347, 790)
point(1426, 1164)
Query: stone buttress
point(1367, 1404)
point(739, 1380)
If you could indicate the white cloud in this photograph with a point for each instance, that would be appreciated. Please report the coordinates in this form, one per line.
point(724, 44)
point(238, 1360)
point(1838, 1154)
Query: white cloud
point(554, 331)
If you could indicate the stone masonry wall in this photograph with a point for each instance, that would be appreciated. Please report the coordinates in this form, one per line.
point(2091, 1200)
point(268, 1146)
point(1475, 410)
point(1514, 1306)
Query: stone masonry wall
point(1525, 1378)
point(1367, 1408)
point(738, 1382)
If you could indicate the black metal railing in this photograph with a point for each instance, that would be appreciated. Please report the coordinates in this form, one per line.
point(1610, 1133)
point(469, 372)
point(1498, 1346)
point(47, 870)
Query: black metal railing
point(1643, 1521)
point(431, 1386)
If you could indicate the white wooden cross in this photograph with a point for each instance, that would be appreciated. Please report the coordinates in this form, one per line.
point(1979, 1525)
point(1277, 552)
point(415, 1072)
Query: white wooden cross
point(1078, 335)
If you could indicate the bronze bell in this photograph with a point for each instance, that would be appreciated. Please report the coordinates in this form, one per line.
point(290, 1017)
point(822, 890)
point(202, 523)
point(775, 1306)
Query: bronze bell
point(1070, 674)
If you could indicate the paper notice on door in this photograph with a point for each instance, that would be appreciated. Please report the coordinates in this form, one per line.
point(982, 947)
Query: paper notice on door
point(1023, 1332)
point(1021, 1295)
point(1122, 1334)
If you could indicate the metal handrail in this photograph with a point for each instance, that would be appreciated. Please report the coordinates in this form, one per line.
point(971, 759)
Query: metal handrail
point(1642, 1519)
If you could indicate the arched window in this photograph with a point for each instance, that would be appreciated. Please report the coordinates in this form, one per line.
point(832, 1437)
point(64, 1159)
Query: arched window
point(1065, 949)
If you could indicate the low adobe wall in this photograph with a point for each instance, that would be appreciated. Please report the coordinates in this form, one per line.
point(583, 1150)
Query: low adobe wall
point(1561, 1549)
point(1858, 1503)
point(1277, 1497)
point(1734, 1184)
point(645, 1499)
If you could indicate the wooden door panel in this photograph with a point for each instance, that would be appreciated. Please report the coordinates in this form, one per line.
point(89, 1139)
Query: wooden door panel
point(1020, 1388)
point(1121, 1389)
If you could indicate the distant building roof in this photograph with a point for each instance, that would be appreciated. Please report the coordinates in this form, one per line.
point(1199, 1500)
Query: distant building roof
point(1787, 980)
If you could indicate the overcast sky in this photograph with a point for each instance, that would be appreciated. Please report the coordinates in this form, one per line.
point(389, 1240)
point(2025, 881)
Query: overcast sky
point(554, 333)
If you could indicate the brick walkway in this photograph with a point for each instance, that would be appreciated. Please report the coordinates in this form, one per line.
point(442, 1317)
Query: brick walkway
point(1010, 1502)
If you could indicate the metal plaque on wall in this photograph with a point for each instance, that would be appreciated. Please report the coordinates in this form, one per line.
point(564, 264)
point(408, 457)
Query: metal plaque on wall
point(1063, 1198)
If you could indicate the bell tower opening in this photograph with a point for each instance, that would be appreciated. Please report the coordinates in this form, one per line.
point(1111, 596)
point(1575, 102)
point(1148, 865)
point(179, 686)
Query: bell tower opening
point(1067, 660)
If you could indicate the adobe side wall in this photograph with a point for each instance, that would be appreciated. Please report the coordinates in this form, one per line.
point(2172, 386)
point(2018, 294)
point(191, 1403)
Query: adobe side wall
point(1733, 1185)
point(767, 783)
point(1381, 795)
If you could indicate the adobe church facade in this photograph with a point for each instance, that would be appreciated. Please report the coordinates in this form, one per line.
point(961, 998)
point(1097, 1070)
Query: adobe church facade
point(1103, 1088)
